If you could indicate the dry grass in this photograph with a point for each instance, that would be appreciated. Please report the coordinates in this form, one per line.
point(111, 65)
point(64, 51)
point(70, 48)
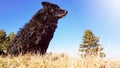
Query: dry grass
point(56, 61)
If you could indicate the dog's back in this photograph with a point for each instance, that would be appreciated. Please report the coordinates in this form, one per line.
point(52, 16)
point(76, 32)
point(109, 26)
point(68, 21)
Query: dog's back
point(36, 35)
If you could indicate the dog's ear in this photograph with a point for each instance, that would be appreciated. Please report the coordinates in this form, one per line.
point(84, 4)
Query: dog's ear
point(48, 4)
point(45, 4)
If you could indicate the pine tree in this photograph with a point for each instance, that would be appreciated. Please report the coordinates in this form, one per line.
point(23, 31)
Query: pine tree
point(2, 36)
point(8, 39)
point(4, 39)
point(90, 45)
point(11, 36)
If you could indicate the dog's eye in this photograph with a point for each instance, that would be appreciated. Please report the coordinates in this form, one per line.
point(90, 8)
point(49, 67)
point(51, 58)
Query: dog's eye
point(58, 9)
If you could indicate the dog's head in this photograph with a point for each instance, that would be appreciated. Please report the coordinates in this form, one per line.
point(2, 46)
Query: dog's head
point(54, 9)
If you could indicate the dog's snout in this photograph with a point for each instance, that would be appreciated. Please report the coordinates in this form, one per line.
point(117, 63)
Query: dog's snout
point(66, 12)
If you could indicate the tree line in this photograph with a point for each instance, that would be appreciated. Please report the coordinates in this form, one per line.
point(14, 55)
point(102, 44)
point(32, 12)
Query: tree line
point(89, 46)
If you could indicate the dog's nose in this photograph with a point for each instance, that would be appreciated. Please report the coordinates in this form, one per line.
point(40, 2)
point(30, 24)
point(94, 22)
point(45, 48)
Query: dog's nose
point(66, 12)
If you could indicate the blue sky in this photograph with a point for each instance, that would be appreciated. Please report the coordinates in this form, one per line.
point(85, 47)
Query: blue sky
point(100, 16)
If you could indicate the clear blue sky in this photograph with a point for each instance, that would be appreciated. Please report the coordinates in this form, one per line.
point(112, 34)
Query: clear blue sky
point(100, 16)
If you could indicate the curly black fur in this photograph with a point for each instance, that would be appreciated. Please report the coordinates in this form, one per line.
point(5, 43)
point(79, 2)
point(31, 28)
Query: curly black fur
point(36, 35)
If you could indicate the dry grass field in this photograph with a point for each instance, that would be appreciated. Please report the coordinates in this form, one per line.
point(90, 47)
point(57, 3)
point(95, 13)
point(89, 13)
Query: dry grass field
point(57, 61)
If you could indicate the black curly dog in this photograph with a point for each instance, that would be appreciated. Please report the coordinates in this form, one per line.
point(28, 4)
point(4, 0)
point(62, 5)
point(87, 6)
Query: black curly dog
point(36, 35)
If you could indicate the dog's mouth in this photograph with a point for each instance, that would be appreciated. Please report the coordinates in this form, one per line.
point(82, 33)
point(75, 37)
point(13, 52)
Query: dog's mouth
point(62, 14)
point(65, 13)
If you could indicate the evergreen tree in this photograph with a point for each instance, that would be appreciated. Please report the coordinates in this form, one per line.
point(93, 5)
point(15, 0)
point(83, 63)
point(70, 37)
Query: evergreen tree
point(11, 36)
point(8, 39)
point(90, 45)
point(2, 36)
point(4, 39)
